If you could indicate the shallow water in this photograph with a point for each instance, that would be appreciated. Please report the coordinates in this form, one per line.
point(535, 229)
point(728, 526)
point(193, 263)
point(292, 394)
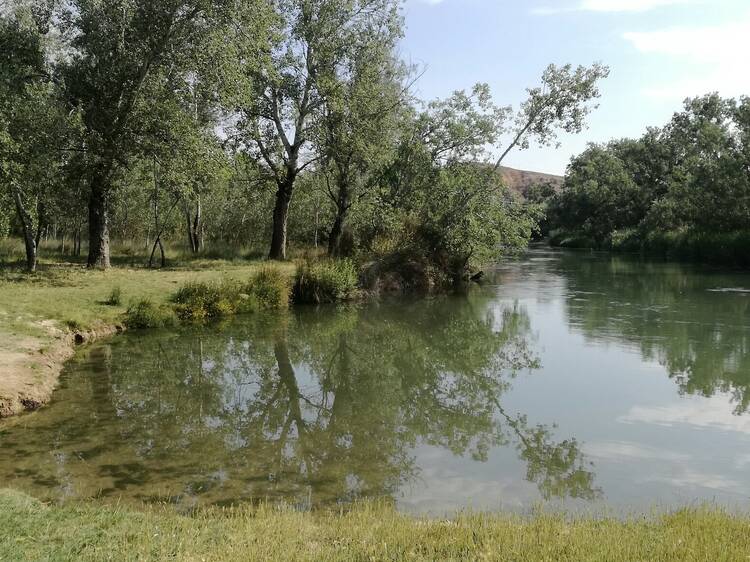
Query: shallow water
point(579, 381)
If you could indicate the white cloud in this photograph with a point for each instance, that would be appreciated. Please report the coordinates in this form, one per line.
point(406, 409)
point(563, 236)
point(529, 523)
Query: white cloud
point(623, 450)
point(613, 6)
point(701, 413)
point(688, 478)
point(717, 55)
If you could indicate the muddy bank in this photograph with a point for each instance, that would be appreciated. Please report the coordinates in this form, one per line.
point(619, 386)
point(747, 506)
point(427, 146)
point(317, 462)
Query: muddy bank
point(30, 366)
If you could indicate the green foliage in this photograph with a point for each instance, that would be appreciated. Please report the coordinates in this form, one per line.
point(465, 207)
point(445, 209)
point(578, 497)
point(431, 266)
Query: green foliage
point(115, 297)
point(325, 282)
point(109, 113)
point(144, 314)
point(270, 289)
point(681, 191)
point(201, 301)
point(205, 301)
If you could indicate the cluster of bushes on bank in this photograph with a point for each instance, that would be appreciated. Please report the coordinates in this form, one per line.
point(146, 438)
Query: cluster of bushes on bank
point(326, 281)
point(683, 245)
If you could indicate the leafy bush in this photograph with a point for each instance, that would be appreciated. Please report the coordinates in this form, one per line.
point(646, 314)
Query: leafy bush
point(206, 301)
point(145, 314)
point(325, 282)
point(269, 288)
point(115, 297)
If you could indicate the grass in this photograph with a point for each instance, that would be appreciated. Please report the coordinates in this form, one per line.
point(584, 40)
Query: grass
point(30, 530)
point(115, 297)
point(71, 295)
point(266, 290)
point(325, 281)
point(145, 314)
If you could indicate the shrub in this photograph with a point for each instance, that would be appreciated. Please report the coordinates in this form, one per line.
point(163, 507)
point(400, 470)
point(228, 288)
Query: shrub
point(269, 289)
point(325, 282)
point(196, 302)
point(73, 324)
point(115, 297)
point(206, 301)
point(145, 314)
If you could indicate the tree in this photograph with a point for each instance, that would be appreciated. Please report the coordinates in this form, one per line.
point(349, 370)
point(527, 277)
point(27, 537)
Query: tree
point(599, 195)
point(562, 102)
point(117, 47)
point(311, 40)
point(33, 125)
point(364, 99)
point(667, 190)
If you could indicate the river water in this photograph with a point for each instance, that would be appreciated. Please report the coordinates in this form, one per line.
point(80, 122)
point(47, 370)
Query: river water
point(568, 380)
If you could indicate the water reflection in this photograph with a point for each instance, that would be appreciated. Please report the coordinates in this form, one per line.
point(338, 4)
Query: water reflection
point(322, 406)
point(692, 320)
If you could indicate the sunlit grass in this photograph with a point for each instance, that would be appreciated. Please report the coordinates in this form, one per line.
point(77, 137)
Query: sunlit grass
point(30, 530)
point(76, 297)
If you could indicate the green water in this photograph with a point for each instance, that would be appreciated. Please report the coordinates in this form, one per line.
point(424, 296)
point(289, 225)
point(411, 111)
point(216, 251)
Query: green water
point(575, 380)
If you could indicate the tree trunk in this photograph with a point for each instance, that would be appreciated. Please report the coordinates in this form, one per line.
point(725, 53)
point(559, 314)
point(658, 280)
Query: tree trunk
point(189, 223)
point(98, 227)
point(194, 226)
point(157, 243)
point(342, 210)
point(280, 215)
point(77, 241)
point(39, 224)
point(28, 232)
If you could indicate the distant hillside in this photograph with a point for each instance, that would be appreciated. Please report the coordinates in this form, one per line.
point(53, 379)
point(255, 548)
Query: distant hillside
point(520, 180)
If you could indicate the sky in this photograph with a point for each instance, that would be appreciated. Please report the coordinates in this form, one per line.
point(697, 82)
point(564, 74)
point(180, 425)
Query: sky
point(659, 52)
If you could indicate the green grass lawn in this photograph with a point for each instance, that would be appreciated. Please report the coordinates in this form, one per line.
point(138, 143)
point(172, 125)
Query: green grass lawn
point(76, 297)
point(30, 530)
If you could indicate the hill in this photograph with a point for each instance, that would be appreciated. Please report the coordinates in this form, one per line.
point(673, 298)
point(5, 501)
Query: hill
point(521, 180)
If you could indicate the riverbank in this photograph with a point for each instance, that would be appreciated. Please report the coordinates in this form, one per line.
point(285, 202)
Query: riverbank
point(45, 315)
point(715, 248)
point(31, 530)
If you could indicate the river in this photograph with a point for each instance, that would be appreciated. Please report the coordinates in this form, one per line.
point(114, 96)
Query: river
point(568, 380)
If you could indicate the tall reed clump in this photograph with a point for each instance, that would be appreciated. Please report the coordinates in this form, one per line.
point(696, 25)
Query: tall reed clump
point(267, 290)
point(270, 288)
point(115, 297)
point(325, 282)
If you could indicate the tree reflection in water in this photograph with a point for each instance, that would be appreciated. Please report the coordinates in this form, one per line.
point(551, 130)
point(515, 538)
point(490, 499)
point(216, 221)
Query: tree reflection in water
point(692, 320)
point(321, 406)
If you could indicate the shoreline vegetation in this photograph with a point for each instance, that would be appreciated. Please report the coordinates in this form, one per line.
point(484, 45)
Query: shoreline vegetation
point(45, 316)
point(678, 192)
point(49, 313)
point(710, 248)
point(31, 530)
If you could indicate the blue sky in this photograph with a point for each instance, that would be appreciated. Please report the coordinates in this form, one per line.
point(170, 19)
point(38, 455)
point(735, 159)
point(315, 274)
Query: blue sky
point(659, 52)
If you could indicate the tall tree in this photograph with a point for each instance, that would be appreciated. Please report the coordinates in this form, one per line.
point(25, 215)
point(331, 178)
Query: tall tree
point(365, 97)
point(311, 38)
point(32, 123)
point(562, 102)
point(117, 47)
